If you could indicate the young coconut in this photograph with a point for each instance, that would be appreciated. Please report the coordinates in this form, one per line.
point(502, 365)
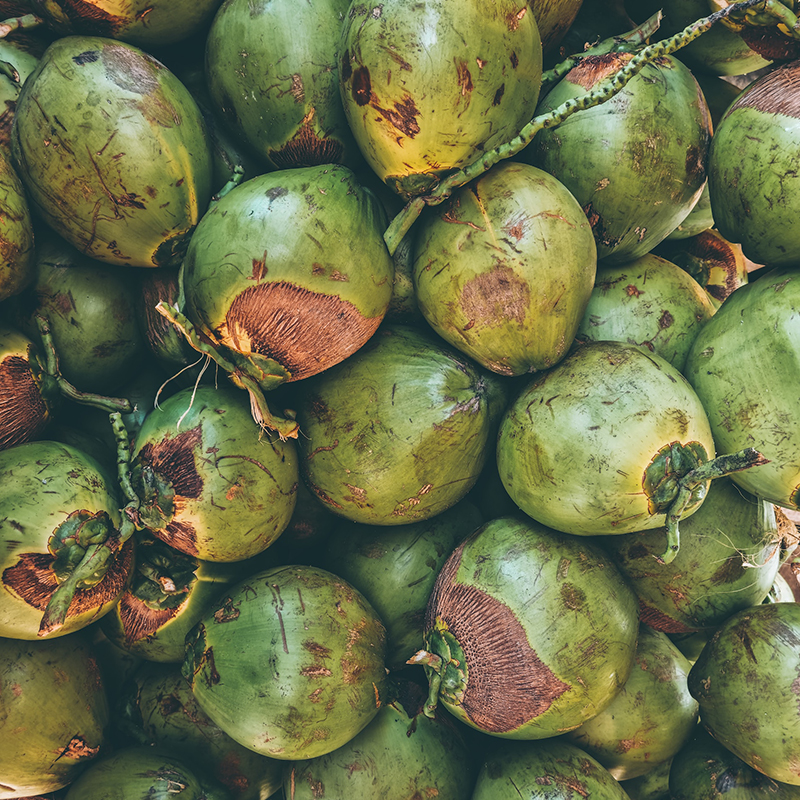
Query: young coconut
point(611, 440)
point(285, 276)
point(528, 632)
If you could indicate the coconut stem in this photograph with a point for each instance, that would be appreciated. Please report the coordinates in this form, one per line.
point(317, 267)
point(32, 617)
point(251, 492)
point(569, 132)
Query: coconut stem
point(7, 69)
point(715, 468)
point(436, 664)
point(25, 22)
point(110, 404)
point(286, 428)
point(638, 36)
point(607, 88)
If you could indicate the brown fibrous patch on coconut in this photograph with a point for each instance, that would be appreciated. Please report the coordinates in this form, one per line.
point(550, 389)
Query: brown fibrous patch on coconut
point(23, 411)
point(304, 331)
point(508, 684)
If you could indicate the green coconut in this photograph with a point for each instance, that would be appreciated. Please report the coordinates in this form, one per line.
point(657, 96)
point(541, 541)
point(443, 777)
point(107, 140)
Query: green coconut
point(157, 708)
point(16, 232)
point(745, 681)
point(126, 184)
point(635, 163)
point(745, 367)
point(504, 270)
point(400, 754)
point(752, 193)
point(650, 302)
point(428, 87)
point(400, 431)
point(53, 714)
point(529, 633)
point(279, 91)
point(289, 663)
point(731, 550)
point(395, 569)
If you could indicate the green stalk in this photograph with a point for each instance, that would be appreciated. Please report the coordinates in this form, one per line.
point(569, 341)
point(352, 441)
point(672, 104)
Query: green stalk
point(715, 468)
point(25, 22)
point(402, 223)
point(436, 665)
point(240, 371)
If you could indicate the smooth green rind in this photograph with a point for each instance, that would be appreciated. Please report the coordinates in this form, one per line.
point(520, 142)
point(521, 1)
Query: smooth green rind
point(745, 367)
point(50, 753)
point(574, 446)
point(400, 754)
point(536, 630)
point(113, 152)
point(730, 553)
point(754, 659)
point(210, 483)
point(549, 770)
point(635, 183)
point(652, 716)
point(400, 431)
point(750, 174)
point(504, 270)
point(278, 90)
point(650, 302)
point(289, 663)
point(428, 87)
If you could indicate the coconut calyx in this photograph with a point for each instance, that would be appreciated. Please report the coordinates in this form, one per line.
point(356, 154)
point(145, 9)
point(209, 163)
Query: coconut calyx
point(445, 666)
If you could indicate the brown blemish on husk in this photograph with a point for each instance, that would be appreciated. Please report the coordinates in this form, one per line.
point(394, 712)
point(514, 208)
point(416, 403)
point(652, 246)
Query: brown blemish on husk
point(130, 70)
point(138, 620)
point(514, 18)
point(23, 412)
point(173, 459)
point(403, 116)
point(508, 684)
point(307, 149)
point(33, 580)
point(79, 749)
point(770, 43)
point(599, 231)
point(6, 120)
point(495, 297)
point(776, 93)
point(362, 86)
point(591, 70)
point(658, 620)
point(464, 78)
point(304, 331)
point(180, 535)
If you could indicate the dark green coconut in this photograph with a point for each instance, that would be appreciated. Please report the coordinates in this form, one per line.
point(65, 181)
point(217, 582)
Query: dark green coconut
point(395, 569)
point(90, 309)
point(745, 367)
point(132, 773)
point(400, 431)
point(157, 708)
point(272, 73)
point(53, 714)
point(289, 663)
point(400, 754)
point(706, 770)
point(504, 270)
point(125, 185)
point(635, 163)
point(428, 87)
point(16, 232)
point(652, 716)
point(21, 52)
point(730, 553)
point(650, 302)
point(653, 785)
point(549, 770)
point(751, 172)
point(745, 680)
point(528, 632)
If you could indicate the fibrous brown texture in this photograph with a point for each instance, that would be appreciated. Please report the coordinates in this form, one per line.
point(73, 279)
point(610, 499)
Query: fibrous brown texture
point(23, 412)
point(304, 331)
point(508, 685)
point(775, 93)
